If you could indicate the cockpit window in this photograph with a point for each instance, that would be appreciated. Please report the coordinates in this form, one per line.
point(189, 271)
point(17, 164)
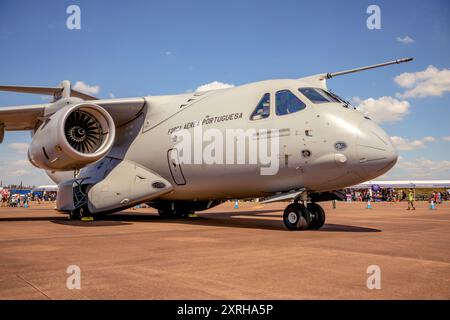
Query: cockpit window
point(316, 95)
point(330, 95)
point(313, 95)
point(262, 110)
point(287, 102)
point(345, 102)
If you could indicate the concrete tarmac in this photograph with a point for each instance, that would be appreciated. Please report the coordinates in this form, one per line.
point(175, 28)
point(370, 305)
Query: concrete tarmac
point(227, 253)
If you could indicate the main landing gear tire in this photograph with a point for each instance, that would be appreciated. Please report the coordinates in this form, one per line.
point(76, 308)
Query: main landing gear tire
point(166, 214)
point(75, 214)
point(318, 216)
point(296, 217)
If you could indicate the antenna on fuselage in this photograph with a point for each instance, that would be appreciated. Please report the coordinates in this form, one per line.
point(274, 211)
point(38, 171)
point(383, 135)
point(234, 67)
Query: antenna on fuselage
point(340, 73)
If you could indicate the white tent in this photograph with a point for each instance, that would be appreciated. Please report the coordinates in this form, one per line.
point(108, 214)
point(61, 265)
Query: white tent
point(47, 188)
point(405, 184)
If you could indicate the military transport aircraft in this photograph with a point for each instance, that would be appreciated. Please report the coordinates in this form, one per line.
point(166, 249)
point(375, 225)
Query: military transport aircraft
point(111, 154)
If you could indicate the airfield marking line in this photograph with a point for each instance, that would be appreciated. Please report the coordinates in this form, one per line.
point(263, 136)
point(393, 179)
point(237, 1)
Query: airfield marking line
point(36, 288)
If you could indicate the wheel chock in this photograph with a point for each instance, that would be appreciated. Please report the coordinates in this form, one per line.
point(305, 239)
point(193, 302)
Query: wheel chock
point(87, 219)
point(192, 215)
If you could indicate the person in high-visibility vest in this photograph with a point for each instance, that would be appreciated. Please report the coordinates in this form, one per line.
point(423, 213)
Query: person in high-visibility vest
point(411, 200)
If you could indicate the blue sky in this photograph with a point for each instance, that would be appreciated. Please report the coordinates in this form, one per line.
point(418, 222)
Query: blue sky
point(132, 48)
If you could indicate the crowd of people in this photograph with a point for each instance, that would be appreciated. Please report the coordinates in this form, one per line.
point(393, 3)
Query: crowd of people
point(15, 200)
point(10, 199)
point(394, 195)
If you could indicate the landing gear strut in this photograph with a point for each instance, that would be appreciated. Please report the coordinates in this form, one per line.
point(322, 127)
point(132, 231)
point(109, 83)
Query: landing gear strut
point(80, 202)
point(299, 217)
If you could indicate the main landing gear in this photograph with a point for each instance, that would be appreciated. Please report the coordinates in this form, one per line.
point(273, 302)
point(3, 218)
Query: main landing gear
point(299, 217)
point(80, 202)
point(81, 213)
point(169, 213)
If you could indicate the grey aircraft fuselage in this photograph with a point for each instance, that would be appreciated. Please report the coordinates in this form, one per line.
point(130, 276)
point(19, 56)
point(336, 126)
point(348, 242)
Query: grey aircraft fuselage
point(183, 153)
point(149, 141)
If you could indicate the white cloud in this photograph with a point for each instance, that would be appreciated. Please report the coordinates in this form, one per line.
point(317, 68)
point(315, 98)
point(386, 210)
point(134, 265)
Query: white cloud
point(446, 138)
point(215, 85)
point(22, 163)
point(406, 39)
point(384, 109)
point(111, 95)
point(85, 88)
point(20, 147)
point(408, 145)
point(419, 168)
point(424, 168)
point(431, 82)
point(20, 172)
point(429, 139)
point(15, 167)
point(168, 53)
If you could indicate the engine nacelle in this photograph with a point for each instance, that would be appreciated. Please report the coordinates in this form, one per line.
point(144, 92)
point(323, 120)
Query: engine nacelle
point(72, 138)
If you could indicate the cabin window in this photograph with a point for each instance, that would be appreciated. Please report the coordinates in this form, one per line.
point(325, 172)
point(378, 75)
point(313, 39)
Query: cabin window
point(262, 110)
point(287, 103)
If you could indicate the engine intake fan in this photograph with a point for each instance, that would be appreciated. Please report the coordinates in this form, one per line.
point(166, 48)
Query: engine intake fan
point(83, 132)
point(72, 138)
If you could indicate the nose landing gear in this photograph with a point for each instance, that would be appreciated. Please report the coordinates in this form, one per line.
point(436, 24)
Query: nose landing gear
point(318, 219)
point(299, 217)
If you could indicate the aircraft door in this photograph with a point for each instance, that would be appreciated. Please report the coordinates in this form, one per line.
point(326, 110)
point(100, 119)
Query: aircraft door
point(175, 167)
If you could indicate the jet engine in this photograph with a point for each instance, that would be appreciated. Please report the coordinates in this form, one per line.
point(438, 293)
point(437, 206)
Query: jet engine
point(72, 138)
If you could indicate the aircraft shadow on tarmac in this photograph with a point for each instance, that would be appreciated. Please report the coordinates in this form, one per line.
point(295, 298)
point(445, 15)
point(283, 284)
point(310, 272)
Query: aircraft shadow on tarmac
point(18, 219)
point(65, 221)
point(247, 219)
point(251, 219)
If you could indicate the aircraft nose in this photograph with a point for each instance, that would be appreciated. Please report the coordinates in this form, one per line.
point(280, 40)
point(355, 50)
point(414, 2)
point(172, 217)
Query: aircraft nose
point(375, 151)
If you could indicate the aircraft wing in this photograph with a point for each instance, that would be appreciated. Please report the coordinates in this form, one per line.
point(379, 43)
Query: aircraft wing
point(26, 117)
point(122, 110)
point(20, 117)
point(52, 91)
